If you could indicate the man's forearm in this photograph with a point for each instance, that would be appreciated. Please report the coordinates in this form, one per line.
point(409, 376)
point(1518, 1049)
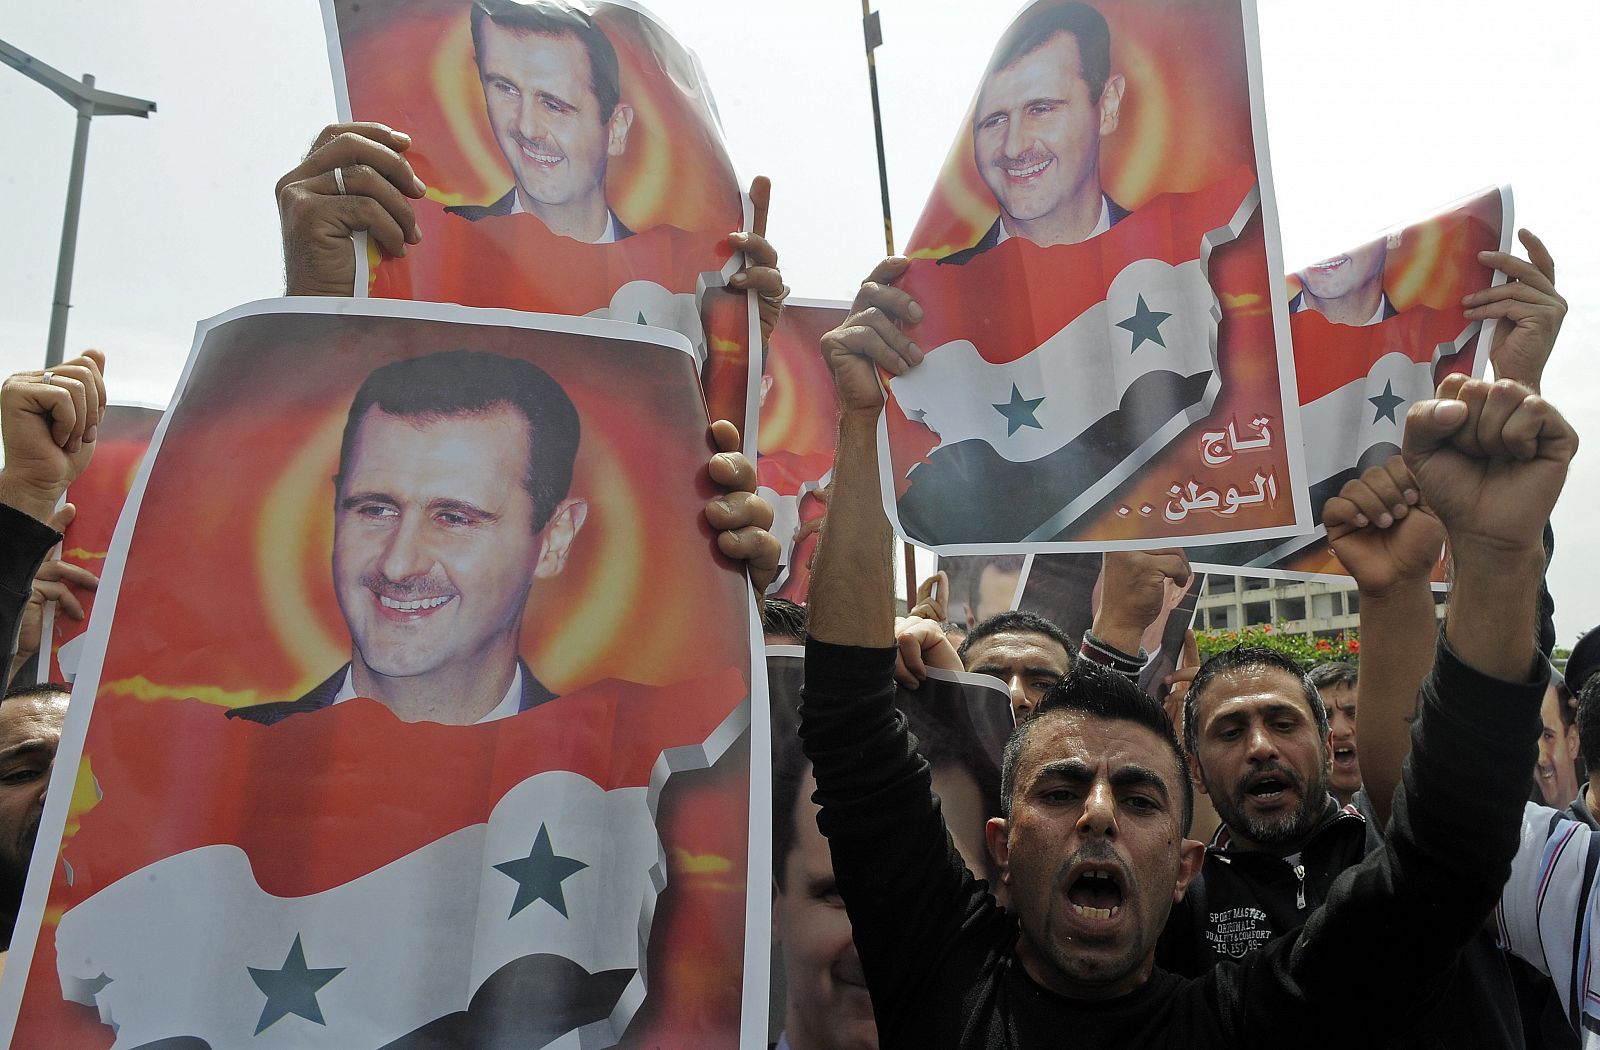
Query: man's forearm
point(852, 587)
point(1492, 621)
point(1398, 637)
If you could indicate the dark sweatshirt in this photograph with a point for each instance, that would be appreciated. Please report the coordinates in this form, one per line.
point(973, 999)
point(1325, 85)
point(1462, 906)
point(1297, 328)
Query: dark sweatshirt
point(939, 953)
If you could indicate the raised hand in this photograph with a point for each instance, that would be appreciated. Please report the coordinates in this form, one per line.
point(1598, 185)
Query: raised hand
point(761, 274)
point(870, 338)
point(49, 422)
point(1490, 459)
point(1134, 593)
point(354, 178)
point(742, 519)
point(56, 581)
point(933, 597)
point(922, 644)
point(1381, 530)
point(1529, 304)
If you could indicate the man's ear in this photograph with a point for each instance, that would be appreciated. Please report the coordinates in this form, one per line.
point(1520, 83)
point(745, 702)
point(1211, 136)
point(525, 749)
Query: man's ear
point(1111, 102)
point(1191, 857)
point(995, 836)
point(558, 536)
point(1194, 774)
point(766, 388)
point(621, 121)
point(1572, 743)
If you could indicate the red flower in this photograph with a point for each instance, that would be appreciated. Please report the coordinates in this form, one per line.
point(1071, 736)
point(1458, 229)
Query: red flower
point(1267, 628)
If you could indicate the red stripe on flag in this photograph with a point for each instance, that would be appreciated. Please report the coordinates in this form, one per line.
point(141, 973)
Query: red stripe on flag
point(324, 797)
point(1328, 356)
point(1016, 295)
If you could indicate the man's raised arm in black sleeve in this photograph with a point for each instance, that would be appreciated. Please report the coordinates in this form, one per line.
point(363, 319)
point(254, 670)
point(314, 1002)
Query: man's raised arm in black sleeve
point(1490, 460)
point(49, 421)
point(902, 881)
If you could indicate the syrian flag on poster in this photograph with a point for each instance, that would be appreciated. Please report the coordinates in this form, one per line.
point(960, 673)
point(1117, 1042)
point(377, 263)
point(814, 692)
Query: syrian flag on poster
point(1036, 426)
point(358, 900)
point(1356, 386)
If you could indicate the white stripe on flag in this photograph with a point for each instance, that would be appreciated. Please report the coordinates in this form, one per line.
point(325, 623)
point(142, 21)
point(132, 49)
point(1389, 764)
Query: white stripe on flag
point(1038, 403)
point(1357, 416)
point(415, 938)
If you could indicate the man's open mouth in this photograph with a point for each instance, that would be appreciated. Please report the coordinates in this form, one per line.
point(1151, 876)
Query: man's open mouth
point(1269, 787)
point(1330, 265)
point(1096, 893)
point(1344, 757)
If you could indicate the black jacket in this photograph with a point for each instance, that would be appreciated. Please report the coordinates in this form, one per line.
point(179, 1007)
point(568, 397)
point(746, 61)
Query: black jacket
point(939, 953)
point(24, 542)
point(1244, 898)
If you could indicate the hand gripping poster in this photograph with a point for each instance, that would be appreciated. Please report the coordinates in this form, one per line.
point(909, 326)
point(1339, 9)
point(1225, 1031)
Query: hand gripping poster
point(962, 722)
point(574, 164)
point(98, 495)
point(1375, 330)
point(799, 431)
point(1067, 590)
point(416, 708)
point(1097, 266)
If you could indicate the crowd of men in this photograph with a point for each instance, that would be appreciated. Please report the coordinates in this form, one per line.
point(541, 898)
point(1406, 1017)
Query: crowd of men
point(1404, 893)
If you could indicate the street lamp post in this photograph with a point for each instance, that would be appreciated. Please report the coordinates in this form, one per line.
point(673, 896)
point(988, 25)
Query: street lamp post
point(90, 102)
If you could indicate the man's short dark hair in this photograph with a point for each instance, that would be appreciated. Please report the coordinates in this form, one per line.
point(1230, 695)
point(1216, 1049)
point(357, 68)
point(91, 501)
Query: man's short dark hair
point(1334, 674)
point(1589, 723)
point(1015, 622)
point(780, 616)
point(41, 689)
point(471, 382)
point(1035, 30)
point(1249, 658)
point(551, 18)
point(1099, 692)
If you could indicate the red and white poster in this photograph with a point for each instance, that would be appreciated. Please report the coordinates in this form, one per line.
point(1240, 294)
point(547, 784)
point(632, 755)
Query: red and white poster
point(1097, 267)
point(1375, 330)
point(574, 165)
point(416, 709)
point(799, 431)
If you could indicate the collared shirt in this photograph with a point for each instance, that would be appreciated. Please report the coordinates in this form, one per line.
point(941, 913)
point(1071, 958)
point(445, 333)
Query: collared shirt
point(510, 705)
point(607, 236)
point(1100, 227)
point(1303, 304)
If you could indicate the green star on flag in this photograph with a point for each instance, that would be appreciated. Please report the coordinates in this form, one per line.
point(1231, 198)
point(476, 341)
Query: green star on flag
point(540, 874)
point(1145, 324)
point(292, 988)
point(1386, 403)
point(1019, 412)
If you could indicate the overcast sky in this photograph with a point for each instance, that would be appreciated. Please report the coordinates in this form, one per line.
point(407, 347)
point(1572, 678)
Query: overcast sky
point(1377, 113)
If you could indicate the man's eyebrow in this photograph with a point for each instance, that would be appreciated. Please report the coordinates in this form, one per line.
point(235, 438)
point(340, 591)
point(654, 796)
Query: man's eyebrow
point(353, 498)
point(1002, 671)
point(553, 97)
point(24, 749)
point(461, 506)
point(1076, 771)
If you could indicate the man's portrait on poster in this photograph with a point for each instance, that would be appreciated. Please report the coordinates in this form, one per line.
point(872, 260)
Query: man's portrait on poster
point(1047, 98)
point(552, 94)
point(451, 500)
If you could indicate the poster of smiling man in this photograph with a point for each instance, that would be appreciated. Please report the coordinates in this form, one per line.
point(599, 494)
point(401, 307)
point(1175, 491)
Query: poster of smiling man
point(1096, 266)
point(573, 161)
point(1375, 329)
point(388, 731)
